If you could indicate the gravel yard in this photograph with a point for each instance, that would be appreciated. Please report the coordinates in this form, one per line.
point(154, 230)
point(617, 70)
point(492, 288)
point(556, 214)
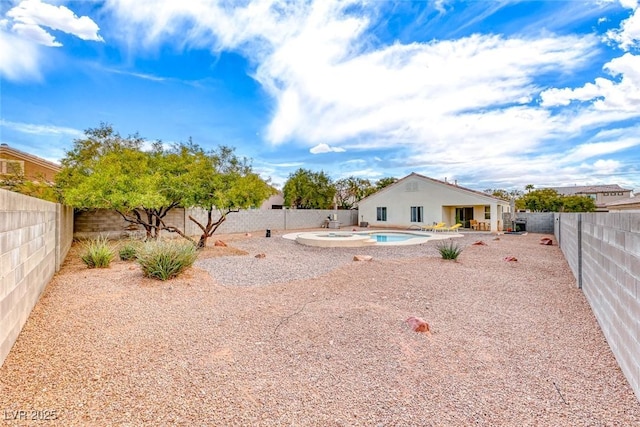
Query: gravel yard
point(308, 337)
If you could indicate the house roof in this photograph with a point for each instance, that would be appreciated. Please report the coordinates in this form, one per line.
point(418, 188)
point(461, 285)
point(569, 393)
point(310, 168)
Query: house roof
point(588, 189)
point(624, 202)
point(4, 148)
point(454, 186)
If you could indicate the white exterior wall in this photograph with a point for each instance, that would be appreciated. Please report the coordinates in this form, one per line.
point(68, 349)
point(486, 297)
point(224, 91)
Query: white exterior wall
point(438, 200)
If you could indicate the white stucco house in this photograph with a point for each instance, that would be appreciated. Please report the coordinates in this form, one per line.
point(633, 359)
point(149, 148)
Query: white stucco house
point(417, 200)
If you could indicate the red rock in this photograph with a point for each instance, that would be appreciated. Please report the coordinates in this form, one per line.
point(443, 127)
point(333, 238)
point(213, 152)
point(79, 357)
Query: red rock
point(479, 243)
point(546, 241)
point(220, 243)
point(261, 256)
point(418, 324)
point(510, 258)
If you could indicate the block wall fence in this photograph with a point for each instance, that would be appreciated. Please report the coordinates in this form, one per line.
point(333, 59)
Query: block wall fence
point(35, 237)
point(603, 252)
point(106, 222)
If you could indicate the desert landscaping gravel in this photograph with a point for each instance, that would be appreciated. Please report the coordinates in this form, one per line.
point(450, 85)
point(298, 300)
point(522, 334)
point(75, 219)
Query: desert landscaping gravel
point(309, 337)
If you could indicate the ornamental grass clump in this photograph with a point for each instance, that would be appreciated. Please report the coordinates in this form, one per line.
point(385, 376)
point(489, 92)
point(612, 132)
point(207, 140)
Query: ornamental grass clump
point(97, 253)
point(128, 250)
point(449, 250)
point(164, 260)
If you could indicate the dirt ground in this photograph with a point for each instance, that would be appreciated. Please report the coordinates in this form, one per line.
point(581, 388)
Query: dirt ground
point(512, 343)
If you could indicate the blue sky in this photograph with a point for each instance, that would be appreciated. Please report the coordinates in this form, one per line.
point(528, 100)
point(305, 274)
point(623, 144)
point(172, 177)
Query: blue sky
point(493, 94)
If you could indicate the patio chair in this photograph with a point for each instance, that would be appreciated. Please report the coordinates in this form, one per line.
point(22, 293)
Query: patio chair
point(452, 228)
point(438, 227)
point(474, 224)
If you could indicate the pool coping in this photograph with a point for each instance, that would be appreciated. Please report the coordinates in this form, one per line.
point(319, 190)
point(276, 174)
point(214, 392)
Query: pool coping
point(342, 239)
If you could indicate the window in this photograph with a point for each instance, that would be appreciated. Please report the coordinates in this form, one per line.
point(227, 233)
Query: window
point(8, 166)
point(487, 212)
point(381, 214)
point(606, 194)
point(416, 213)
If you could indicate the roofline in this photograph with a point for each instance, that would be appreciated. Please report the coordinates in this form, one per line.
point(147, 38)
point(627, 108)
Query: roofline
point(437, 181)
point(30, 157)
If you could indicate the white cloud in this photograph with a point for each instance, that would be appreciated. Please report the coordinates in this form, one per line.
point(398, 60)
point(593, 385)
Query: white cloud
point(31, 15)
point(36, 129)
point(606, 100)
point(19, 59)
point(439, 104)
point(22, 32)
point(628, 35)
point(325, 148)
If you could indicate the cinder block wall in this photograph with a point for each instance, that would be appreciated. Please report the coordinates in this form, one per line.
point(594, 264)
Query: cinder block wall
point(603, 250)
point(106, 222)
point(35, 236)
point(537, 222)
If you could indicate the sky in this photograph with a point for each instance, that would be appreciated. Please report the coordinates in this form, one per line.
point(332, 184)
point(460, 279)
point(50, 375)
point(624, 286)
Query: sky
point(494, 94)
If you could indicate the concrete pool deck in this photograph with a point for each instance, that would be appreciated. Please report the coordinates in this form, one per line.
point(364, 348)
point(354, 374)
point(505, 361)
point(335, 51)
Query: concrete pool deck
point(359, 238)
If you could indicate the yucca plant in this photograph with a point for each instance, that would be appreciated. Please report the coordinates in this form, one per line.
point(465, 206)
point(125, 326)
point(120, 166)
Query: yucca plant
point(97, 253)
point(165, 259)
point(449, 250)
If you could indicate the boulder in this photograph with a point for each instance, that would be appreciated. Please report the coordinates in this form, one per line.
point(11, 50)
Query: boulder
point(510, 258)
point(362, 258)
point(479, 243)
point(220, 243)
point(546, 241)
point(261, 255)
point(418, 324)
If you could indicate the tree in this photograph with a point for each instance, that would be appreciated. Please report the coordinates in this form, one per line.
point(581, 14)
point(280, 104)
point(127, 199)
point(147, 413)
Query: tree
point(503, 194)
point(16, 181)
point(349, 191)
point(305, 189)
point(105, 170)
point(529, 187)
point(542, 200)
point(221, 182)
point(384, 182)
point(575, 203)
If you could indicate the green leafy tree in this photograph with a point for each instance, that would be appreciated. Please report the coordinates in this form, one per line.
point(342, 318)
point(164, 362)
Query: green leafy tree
point(503, 194)
point(542, 200)
point(385, 182)
point(575, 203)
point(529, 187)
point(16, 181)
point(107, 171)
point(305, 189)
point(349, 191)
point(221, 183)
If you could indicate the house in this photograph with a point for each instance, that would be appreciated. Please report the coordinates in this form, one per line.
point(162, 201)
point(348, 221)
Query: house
point(33, 168)
point(631, 204)
point(601, 194)
point(274, 202)
point(417, 200)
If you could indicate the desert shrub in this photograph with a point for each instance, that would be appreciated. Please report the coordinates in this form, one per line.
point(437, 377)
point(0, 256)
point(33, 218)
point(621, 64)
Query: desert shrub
point(165, 259)
point(97, 253)
point(449, 250)
point(128, 250)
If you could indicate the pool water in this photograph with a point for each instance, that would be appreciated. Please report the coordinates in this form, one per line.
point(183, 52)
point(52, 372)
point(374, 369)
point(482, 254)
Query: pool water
point(391, 237)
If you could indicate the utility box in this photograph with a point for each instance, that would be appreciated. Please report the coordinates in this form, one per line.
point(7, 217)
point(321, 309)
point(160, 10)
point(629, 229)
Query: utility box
point(334, 224)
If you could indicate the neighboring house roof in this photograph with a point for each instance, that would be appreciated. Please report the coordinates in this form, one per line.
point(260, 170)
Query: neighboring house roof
point(453, 186)
point(588, 189)
point(624, 202)
point(33, 164)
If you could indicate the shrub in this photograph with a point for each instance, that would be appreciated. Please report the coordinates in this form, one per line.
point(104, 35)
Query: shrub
point(128, 251)
point(449, 250)
point(97, 253)
point(165, 259)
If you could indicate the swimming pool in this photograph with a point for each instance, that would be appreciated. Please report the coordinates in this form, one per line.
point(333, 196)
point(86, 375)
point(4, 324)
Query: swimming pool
point(365, 238)
point(393, 237)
